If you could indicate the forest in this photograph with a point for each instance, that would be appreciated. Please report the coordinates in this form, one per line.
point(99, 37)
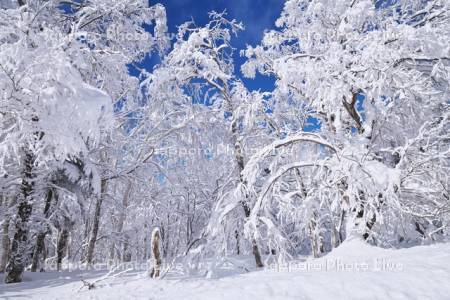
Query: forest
point(104, 160)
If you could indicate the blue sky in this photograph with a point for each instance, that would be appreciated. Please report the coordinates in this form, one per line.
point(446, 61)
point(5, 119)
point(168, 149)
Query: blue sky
point(256, 15)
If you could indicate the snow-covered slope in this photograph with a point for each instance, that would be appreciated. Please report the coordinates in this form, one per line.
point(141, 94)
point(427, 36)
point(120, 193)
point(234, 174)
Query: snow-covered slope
point(353, 271)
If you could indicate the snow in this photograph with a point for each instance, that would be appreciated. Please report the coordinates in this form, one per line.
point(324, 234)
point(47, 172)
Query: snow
point(383, 175)
point(355, 270)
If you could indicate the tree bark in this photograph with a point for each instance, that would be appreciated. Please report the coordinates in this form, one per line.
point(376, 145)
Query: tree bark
point(5, 240)
point(96, 223)
point(236, 235)
point(255, 249)
point(126, 254)
point(157, 261)
point(61, 248)
point(315, 236)
point(40, 240)
point(5, 244)
point(17, 259)
point(337, 237)
point(360, 218)
point(40, 244)
point(122, 218)
point(145, 256)
point(68, 247)
point(239, 156)
point(353, 112)
point(86, 232)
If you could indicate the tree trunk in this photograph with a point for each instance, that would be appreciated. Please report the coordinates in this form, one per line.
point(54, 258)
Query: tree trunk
point(61, 248)
point(122, 218)
point(126, 255)
point(17, 259)
point(238, 248)
point(96, 223)
point(86, 231)
point(157, 261)
point(112, 252)
point(40, 244)
point(368, 225)
point(314, 242)
point(5, 240)
point(40, 240)
point(336, 234)
point(316, 238)
point(239, 156)
point(145, 256)
point(5, 244)
point(68, 247)
point(353, 112)
point(255, 249)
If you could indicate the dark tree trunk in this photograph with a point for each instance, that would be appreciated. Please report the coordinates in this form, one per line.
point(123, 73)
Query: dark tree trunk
point(96, 223)
point(40, 240)
point(17, 260)
point(40, 245)
point(236, 235)
point(126, 255)
point(145, 256)
point(255, 249)
point(61, 249)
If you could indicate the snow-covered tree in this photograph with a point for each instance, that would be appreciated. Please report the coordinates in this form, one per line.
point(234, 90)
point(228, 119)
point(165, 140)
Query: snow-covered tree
point(375, 76)
point(201, 65)
point(62, 65)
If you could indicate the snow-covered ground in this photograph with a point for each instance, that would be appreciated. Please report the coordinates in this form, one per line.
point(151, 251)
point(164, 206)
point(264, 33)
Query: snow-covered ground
point(353, 271)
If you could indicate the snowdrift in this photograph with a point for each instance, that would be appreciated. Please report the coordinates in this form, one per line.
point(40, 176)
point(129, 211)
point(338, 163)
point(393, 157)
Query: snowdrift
point(353, 271)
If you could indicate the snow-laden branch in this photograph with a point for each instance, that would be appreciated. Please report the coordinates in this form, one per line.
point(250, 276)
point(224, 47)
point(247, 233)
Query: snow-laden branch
point(252, 167)
point(259, 204)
